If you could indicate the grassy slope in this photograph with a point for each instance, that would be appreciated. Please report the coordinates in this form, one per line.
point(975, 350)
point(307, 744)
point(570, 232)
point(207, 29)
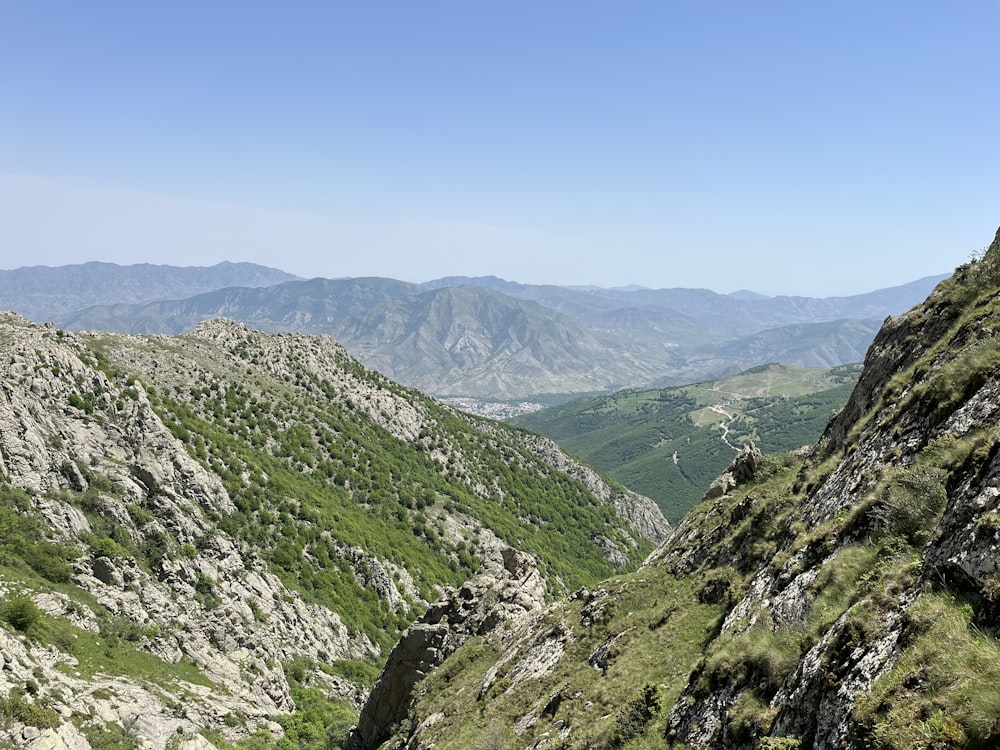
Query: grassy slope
point(659, 624)
point(634, 435)
point(940, 692)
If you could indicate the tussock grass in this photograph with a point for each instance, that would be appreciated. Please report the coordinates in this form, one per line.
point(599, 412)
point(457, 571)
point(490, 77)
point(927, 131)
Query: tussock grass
point(661, 627)
point(944, 690)
point(759, 656)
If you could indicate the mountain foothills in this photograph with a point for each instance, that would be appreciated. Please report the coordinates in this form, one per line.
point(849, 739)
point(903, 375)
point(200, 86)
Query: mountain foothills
point(669, 444)
point(845, 596)
point(239, 539)
point(484, 338)
point(219, 536)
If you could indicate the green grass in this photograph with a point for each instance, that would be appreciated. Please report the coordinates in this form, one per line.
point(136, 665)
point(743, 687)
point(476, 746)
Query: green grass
point(942, 691)
point(661, 627)
point(111, 654)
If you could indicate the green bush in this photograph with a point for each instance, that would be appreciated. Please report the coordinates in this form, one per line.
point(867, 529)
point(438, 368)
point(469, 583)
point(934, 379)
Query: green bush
point(20, 612)
point(49, 561)
point(14, 707)
point(107, 547)
point(111, 737)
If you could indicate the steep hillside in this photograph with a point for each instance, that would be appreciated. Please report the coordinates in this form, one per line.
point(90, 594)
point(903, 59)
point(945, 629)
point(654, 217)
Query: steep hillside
point(476, 342)
point(669, 444)
point(845, 599)
point(221, 532)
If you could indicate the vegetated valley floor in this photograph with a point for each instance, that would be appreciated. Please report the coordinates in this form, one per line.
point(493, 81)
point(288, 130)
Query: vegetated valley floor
point(669, 444)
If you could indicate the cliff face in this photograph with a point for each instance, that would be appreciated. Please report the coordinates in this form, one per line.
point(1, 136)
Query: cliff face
point(201, 535)
point(846, 597)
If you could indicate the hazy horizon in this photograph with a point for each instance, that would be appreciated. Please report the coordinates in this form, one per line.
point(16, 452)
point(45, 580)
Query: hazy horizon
point(625, 287)
point(782, 148)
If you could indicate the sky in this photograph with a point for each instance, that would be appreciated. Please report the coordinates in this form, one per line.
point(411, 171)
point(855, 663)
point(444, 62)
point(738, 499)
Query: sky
point(813, 148)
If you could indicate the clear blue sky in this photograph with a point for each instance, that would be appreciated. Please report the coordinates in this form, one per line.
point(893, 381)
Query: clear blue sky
point(817, 148)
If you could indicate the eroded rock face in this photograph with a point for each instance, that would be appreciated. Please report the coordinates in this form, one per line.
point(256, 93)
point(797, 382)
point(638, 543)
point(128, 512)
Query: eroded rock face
point(507, 590)
point(894, 420)
point(741, 470)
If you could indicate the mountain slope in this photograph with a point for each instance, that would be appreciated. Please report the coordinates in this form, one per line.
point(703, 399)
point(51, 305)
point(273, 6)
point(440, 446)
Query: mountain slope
point(313, 306)
point(473, 341)
point(465, 340)
point(224, 531)
point(720, 317)
point(843, 600)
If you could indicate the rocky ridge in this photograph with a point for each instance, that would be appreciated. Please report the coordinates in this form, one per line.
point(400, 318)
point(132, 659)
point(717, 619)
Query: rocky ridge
point(843, 598)
point(239, 639)
point(506, 592)
point(168, 620)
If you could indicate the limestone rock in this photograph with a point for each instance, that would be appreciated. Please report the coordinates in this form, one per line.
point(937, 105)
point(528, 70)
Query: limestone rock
point(507, 589)
point(741, 470)
point(64, 737)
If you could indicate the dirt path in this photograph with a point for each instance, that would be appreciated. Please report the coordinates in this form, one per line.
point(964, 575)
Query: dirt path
point(724, 425)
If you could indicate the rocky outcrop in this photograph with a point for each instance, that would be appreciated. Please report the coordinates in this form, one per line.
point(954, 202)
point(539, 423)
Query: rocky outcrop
point(741, 470)
point(508, 589)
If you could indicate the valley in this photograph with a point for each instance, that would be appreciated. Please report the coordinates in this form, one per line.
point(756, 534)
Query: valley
point(252, 540)
point(837, 598)
point(669, 444)
point(499, 376)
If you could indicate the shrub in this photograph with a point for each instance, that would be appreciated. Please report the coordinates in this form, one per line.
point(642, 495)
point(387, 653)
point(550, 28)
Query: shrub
point(909, 502)
point(49, 561)
point(20, 612)
point(632, 718)
point(14, 708)
point(107, 547)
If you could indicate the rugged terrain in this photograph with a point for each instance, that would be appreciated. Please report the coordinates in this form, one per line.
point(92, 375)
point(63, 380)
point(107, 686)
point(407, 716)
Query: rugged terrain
point(839, 597)
point(220, 535)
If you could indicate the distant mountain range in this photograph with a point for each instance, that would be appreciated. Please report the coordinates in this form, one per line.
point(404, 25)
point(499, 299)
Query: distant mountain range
point(482, 337)
point(45, 293)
